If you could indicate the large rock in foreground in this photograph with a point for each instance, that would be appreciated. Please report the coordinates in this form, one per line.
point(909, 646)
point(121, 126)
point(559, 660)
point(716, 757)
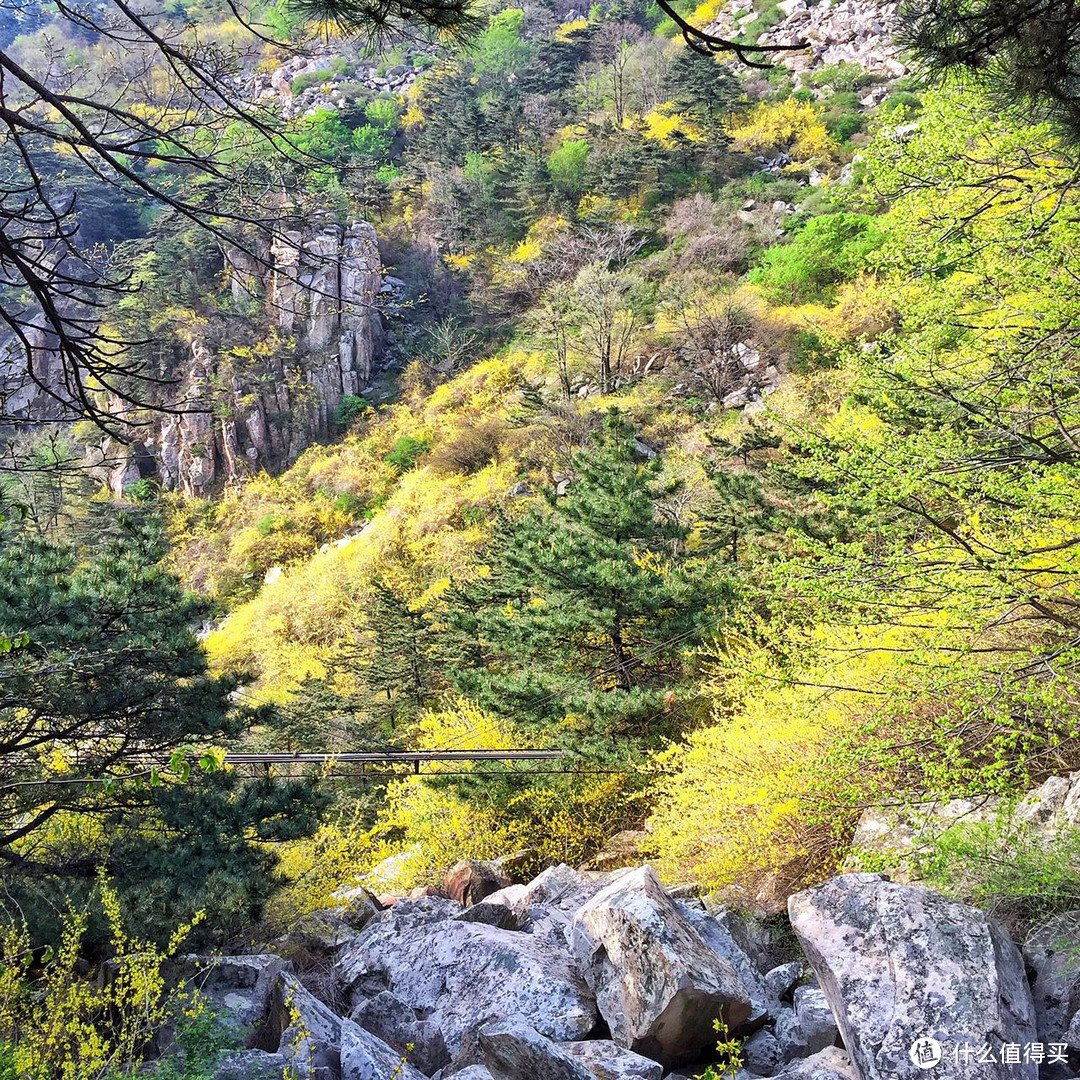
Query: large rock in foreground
point(657, 983)
point(901, 965)
point(461, 974)
point(512, 1050)
point(609, 1061)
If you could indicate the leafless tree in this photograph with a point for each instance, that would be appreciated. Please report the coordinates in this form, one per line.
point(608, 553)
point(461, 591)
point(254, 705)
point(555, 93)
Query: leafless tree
point(160, 105)
point(716, 330)
point(608, 320)
point(612, 46)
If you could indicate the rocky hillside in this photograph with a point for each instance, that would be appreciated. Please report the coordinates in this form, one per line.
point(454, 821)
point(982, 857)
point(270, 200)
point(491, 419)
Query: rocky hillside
point(576, 976)
point(834, 32)
point(317, 294)
point(320, 289)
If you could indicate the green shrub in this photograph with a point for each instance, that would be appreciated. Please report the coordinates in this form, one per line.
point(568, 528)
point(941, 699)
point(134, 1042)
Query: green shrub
point(383, 112)
point(351, 406)
point(828, 250)
point(349, 504)
point(143, 490)
point(844, 76)
point(311, 78)
point(271, 523)
point(843, 101)
point(406, 452)
point(903, 100)
point(340, 67)
point(841, 128)
point(1008, 868)
point(372, 142)
point(566, 166)
point(809, 353)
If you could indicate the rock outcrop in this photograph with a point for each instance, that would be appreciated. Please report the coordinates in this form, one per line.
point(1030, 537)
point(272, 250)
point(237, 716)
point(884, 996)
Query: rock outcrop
point(891, 834)
point(834, 32)
point(319, 290)
point(323, 78)
point(658, 985)
point(607, 1060)
point(911, 975)
point(905, 978)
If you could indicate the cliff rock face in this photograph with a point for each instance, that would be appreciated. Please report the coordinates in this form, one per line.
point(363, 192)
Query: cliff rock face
point(319, 289)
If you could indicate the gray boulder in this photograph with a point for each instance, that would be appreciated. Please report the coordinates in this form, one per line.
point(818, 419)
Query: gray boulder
point(317, 1044)
point(658, 984)
point(762, 1053)
point(1052, 953)
point(493, 914)
point(425, 907)
point(900, 964)
point(781, 981)
point(809, 1027)
point(328, 929)
point(832, 1063)
point(390, 1019)
point(237, 987)
point(251, 1065)
point(1072, 1036)
point(559, 887)
point(609, 1061)
point(459, 975)
point(307, 1032)
point(512, 1050)
point(364, 1057)
point(720, 939)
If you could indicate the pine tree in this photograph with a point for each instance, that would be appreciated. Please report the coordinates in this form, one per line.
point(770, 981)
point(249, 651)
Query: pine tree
point(1027, 54)
point(400, 674)
point(590, 608)
point(106, 707)
point(704, 89)
point(738, 511)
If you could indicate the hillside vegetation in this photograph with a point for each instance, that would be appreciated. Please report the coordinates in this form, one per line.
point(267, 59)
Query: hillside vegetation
point(725, 439)
point(752, 490)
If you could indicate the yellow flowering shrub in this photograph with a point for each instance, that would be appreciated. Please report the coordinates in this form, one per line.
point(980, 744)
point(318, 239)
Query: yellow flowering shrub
point(791, 125)
point(567, 29)
point(67, 1025)
point(740, 804)
point(663, 123)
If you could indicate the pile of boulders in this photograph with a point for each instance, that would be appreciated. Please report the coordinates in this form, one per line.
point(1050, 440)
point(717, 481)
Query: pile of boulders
point(833, 32)
point(339, 84)
point(584, 975)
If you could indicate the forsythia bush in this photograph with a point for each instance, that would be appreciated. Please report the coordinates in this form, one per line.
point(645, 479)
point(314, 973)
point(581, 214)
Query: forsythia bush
point(791, 125)
point(743, 800)
point(64, 1025)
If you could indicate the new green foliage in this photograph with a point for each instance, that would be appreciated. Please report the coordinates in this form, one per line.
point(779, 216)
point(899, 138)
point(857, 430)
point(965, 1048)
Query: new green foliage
point(826, 251)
